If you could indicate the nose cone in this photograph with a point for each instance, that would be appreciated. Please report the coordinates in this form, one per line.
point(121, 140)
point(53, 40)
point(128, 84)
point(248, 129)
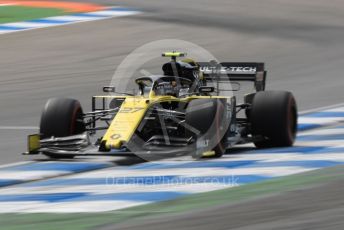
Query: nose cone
point(125, 123)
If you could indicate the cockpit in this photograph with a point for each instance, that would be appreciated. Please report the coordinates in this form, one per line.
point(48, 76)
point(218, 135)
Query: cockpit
point(180, 78)
point(164, 86)
point(172, 86)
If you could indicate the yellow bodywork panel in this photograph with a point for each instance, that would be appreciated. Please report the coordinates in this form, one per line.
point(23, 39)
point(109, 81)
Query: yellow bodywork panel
point(131, 113)
point(125, 122)
point(208, 154)
point(33, 143)
point(173, 54)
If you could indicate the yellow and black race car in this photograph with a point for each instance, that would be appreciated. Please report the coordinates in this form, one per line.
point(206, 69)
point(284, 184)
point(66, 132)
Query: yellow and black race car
point(179, 112)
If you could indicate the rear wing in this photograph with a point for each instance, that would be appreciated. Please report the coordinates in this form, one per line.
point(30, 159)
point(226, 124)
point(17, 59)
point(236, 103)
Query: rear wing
point(235, 71)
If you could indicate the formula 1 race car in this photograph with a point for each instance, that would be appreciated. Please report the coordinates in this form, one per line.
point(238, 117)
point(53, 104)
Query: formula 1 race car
point(179, 112)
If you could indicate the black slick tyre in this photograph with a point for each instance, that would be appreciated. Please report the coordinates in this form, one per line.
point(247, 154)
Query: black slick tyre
point(208, 117)
point(273, 116)
point(61, 117)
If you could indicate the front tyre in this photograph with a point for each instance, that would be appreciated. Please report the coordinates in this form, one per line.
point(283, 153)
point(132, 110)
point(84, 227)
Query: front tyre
point(61, 117)
point(209, 118)
point(273, 116)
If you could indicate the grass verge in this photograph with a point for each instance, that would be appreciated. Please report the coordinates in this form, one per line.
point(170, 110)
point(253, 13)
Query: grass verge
point(23, 13)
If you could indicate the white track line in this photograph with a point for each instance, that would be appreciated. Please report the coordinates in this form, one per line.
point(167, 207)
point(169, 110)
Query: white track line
point(31, 175)
point(81, 206)
point(319, 120)
point(15, 164)
point(324, 131)
point(319, 109)
point(29, 25)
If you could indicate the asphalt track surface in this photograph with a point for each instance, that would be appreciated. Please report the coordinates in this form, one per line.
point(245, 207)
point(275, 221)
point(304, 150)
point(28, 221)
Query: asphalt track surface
point(314, 207)
point(301, 42)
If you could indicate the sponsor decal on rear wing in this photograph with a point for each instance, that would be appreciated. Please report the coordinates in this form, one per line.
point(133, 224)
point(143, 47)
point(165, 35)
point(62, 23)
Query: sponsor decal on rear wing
point(235, 71)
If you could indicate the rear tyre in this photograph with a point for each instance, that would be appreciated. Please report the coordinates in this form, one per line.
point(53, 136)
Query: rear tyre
point(61, 117)
point(207, 116)
point(273, 116)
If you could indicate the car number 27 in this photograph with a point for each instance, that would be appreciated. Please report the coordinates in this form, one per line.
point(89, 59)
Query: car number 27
point(130, 110)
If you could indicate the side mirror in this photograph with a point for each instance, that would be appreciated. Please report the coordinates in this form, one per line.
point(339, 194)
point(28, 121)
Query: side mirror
point(206, 89)
point(109, 89)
